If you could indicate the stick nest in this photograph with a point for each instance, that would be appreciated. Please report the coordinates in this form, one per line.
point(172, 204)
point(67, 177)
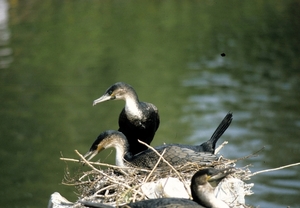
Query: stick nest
point(117, 186)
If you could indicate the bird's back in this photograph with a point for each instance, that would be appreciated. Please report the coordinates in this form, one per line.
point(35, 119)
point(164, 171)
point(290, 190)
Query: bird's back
point(175, 154)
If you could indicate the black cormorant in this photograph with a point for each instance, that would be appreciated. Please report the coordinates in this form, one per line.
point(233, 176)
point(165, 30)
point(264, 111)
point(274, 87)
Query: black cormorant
point(138, 120)
point(175, 154)
point(202, 193)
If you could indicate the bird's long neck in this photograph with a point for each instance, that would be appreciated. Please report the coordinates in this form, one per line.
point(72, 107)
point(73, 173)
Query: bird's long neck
point(119, 158)
point(121, 147)
point(132, 106)
point(205, 197)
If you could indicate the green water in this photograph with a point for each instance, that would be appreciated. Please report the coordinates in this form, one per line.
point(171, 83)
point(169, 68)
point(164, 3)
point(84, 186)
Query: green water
point(65, 54)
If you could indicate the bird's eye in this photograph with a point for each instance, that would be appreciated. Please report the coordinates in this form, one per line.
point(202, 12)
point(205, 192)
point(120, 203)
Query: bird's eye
point(110, 92)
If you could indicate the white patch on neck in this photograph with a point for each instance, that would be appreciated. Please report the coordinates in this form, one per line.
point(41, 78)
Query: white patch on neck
point(120, 152)
point(131, 108)
point(209, 197)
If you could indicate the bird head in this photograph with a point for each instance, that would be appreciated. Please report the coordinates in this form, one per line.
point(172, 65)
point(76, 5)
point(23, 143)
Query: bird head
point(210, 175)
point(117, 91)
point(202, 191)
point(107, 139)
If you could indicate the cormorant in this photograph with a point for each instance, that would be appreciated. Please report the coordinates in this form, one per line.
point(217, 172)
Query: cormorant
point(138, 120)
point(175, 154)
point(202, 193)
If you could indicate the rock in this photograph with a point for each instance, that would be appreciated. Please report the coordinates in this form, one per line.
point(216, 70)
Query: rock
point(58, 201)
point(165, 187)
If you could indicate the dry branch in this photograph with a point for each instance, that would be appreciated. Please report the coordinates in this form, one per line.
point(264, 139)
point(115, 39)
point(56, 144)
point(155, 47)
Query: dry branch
point(119, 185)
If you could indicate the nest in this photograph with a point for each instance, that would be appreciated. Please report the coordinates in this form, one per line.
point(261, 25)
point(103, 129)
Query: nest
point(116, 186)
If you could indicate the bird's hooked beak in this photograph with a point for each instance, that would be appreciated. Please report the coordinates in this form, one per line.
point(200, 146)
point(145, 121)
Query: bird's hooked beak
point(92, 153)
point(103, 98)
point(219, 174)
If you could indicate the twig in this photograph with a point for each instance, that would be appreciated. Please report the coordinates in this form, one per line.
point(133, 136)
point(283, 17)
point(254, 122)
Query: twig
point(273, 169)
point(254, 154)
point(158, 161)
point(74, 184)
point(102, 164)
point(91, 166)
point(101, 172)
point(185, 185)
point(220, 147)
point(93, 163)
point(83, 176)
point(146, 179)
point(105, 188)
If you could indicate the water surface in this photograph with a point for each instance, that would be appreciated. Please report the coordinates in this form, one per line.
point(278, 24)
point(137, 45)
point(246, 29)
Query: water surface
point(65, 54)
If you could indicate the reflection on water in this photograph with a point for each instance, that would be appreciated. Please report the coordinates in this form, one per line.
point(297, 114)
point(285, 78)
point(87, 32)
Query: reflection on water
point(265, 113)
point(66, 53)
point(5, 51)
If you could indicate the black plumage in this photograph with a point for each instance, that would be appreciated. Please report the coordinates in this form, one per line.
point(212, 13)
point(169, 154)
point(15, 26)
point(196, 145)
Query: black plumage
point(175, 154)
point(210, 145)
point(137, 120)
